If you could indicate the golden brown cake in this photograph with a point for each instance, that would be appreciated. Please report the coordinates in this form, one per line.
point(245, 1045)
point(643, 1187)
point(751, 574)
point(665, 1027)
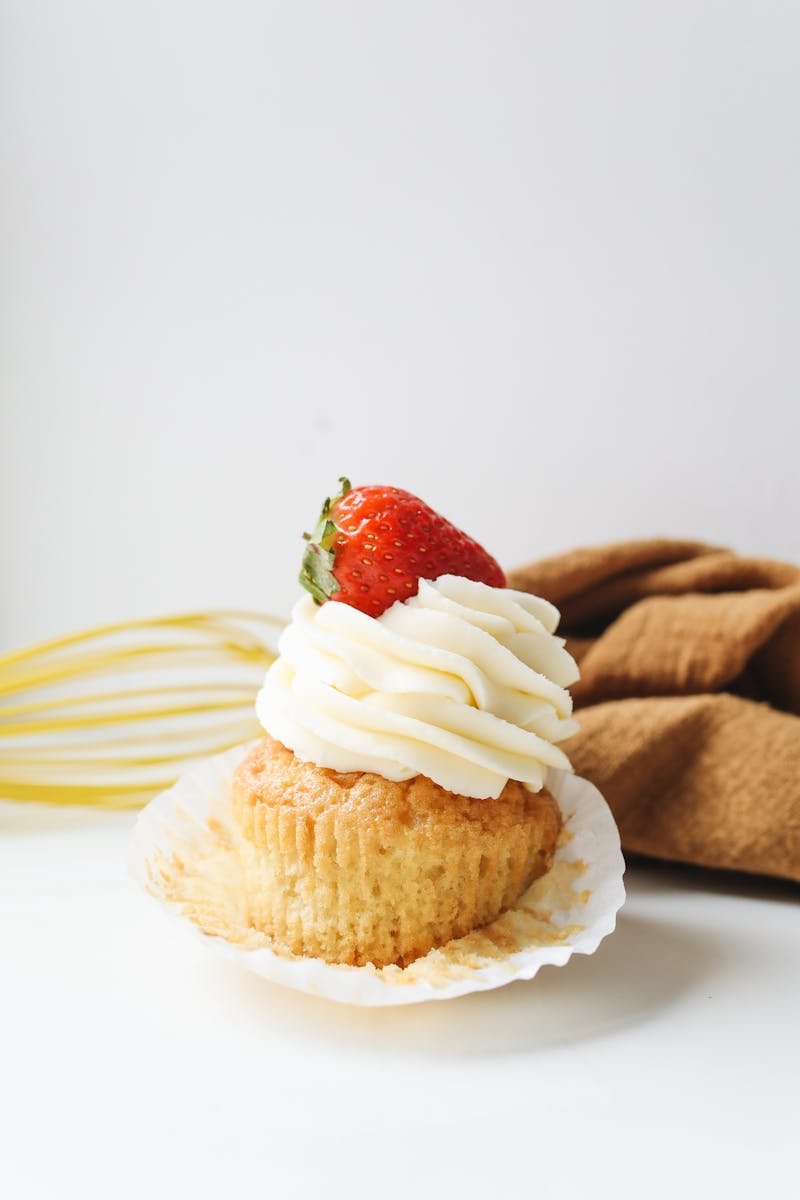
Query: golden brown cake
point(357, 869)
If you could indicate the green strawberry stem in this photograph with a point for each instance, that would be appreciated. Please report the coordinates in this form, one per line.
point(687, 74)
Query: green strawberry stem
point(316, 572)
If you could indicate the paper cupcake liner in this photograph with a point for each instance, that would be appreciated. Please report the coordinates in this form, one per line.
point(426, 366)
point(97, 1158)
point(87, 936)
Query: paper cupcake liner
point(185, 853)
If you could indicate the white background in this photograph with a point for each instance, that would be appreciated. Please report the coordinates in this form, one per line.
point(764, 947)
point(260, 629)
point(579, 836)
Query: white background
point(539, 262)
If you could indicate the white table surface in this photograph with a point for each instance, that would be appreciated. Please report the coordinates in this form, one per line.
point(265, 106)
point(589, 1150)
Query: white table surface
point(136, 1063)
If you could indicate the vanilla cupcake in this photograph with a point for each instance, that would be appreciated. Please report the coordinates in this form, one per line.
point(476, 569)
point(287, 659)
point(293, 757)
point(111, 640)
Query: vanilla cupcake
point(355, 868)
point(398, 800)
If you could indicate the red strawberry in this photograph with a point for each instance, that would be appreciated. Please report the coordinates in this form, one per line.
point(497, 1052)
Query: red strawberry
point(372, 545)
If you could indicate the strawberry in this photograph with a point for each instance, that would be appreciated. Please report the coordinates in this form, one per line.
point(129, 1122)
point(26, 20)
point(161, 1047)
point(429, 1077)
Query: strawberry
point(372, 545)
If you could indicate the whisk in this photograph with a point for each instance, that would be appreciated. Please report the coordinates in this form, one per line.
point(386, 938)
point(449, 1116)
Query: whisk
point(111, 716)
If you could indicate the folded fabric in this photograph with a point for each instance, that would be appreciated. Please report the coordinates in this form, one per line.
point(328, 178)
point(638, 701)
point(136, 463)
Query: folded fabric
point(689, 696)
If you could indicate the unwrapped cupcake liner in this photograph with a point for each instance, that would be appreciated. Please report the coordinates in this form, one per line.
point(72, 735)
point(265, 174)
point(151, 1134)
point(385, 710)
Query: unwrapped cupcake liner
point(185, 853)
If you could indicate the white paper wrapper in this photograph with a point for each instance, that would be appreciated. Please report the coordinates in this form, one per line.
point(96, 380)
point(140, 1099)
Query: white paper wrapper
point(184, 854)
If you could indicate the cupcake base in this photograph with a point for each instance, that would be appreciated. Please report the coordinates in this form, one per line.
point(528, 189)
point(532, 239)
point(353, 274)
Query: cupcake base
point(183, 853)
point(357, 869)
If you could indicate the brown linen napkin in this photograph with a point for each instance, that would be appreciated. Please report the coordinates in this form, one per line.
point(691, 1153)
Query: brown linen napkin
point(690, 696)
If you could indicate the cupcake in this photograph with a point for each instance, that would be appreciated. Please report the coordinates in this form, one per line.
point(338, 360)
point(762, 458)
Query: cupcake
point(398, 799)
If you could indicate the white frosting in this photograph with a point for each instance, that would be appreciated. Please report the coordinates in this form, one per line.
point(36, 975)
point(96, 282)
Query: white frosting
point(463, 682)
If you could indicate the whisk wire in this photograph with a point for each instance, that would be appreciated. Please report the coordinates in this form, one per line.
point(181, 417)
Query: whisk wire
point(195, 677)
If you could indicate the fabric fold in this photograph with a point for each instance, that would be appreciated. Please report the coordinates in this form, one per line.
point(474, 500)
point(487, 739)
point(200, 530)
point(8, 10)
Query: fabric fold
point(689, 696)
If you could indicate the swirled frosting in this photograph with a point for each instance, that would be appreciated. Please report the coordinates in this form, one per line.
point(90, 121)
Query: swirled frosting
point(463, 682)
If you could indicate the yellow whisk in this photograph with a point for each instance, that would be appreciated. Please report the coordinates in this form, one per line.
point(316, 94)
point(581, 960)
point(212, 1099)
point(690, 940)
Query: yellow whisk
point(111, 716)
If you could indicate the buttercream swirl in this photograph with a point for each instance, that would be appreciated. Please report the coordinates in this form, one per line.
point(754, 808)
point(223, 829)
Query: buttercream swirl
point(463, 682)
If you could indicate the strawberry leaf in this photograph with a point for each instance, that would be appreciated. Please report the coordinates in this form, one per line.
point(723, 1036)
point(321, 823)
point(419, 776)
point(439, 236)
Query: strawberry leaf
point(316, 572)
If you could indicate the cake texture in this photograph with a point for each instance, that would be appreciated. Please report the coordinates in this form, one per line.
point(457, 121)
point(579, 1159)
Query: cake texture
point(355, 868)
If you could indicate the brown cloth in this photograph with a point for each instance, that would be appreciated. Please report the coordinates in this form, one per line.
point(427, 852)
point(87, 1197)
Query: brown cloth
point(690, 696)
